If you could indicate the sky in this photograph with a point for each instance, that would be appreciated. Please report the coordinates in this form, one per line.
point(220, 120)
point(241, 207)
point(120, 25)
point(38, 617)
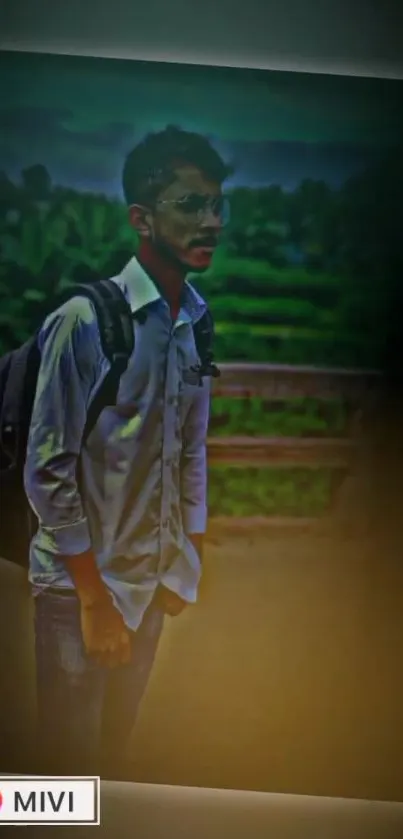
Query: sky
point(81, 116)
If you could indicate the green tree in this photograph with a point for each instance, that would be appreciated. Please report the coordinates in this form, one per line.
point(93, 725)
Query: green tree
point(37, 183)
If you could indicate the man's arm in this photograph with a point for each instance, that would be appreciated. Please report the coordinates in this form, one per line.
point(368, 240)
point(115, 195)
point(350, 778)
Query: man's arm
point(70, 364)
point(194, 467)
point(193, 483)
point(70, 361)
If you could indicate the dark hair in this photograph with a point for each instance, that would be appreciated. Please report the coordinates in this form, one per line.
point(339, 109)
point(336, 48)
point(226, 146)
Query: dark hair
point(149, 167)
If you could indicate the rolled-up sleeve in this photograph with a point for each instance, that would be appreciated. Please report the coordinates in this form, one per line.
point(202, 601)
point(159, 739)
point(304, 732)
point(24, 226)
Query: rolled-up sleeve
point(68, 374)
point(194, 462)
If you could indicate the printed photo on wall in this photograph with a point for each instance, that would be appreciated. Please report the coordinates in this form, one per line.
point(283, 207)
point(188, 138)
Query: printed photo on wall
point(203, 268)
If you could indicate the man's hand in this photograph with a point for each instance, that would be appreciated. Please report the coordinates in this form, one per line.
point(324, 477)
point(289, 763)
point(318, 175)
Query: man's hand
point(171, 603)
point(105, 634)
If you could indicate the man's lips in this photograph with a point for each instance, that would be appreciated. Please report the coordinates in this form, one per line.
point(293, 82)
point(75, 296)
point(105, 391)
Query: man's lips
point(204, 246)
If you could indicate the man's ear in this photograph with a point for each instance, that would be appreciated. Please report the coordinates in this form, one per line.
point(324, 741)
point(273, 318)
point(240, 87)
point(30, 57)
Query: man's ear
point(140, 218)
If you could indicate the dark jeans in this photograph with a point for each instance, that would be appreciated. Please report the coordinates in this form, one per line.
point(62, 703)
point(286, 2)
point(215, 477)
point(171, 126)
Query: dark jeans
point(86, 710)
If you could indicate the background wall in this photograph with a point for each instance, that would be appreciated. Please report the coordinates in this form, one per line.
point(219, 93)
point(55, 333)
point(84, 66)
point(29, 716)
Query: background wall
point(363, 37)
point(288, 675)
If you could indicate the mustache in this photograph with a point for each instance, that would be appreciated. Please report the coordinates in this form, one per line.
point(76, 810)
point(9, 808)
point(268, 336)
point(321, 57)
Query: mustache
point(204, 241)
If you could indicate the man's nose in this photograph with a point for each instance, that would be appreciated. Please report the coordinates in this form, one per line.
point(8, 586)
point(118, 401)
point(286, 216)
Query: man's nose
point(211, 220)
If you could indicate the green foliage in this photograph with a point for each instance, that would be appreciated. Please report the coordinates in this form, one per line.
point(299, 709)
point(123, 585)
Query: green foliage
point(265, 492)
point(263, 274)
point(239, 307)
point(48, 245)
point(255, 417)
point(295, 345)
point(308, 277)
point(300, 278)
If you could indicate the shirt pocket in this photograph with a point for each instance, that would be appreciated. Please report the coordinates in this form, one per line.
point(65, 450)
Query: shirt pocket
point(188, 394)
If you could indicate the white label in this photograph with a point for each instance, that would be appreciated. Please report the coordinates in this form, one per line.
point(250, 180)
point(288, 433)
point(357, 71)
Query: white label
point(60, 800)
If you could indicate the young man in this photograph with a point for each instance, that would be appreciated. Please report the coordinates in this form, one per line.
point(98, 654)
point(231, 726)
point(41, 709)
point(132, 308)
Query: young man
point(114, 555)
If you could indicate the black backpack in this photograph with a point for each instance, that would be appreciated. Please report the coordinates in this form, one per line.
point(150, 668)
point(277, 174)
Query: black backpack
point(18, 377)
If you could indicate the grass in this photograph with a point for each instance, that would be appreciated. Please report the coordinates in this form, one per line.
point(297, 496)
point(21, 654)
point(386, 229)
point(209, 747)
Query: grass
point(256, 491)
point(225, 265)
point(269, 491)
point(256, 417)
point(239, 306)
point(293, 345)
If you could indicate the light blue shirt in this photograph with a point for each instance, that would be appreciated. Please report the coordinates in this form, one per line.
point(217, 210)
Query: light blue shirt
point(143, 485)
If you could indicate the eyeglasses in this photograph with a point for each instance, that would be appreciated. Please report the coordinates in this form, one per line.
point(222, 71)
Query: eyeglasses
point(197, 205)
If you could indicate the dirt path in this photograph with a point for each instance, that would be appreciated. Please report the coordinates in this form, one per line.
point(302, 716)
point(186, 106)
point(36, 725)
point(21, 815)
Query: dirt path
point(287, 676)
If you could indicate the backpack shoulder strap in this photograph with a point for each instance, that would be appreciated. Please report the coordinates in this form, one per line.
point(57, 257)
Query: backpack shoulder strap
point(115, 322)
point(203, 331)
point(114, 318)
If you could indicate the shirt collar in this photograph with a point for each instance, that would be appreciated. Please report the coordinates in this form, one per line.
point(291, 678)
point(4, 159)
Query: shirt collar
point(140, 291)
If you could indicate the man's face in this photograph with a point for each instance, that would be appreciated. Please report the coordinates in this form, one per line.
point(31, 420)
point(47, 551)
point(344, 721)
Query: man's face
point(186, 220)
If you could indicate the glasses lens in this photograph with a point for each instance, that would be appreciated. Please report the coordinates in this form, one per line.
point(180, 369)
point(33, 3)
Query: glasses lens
point(199, 205)
point(193, 204)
